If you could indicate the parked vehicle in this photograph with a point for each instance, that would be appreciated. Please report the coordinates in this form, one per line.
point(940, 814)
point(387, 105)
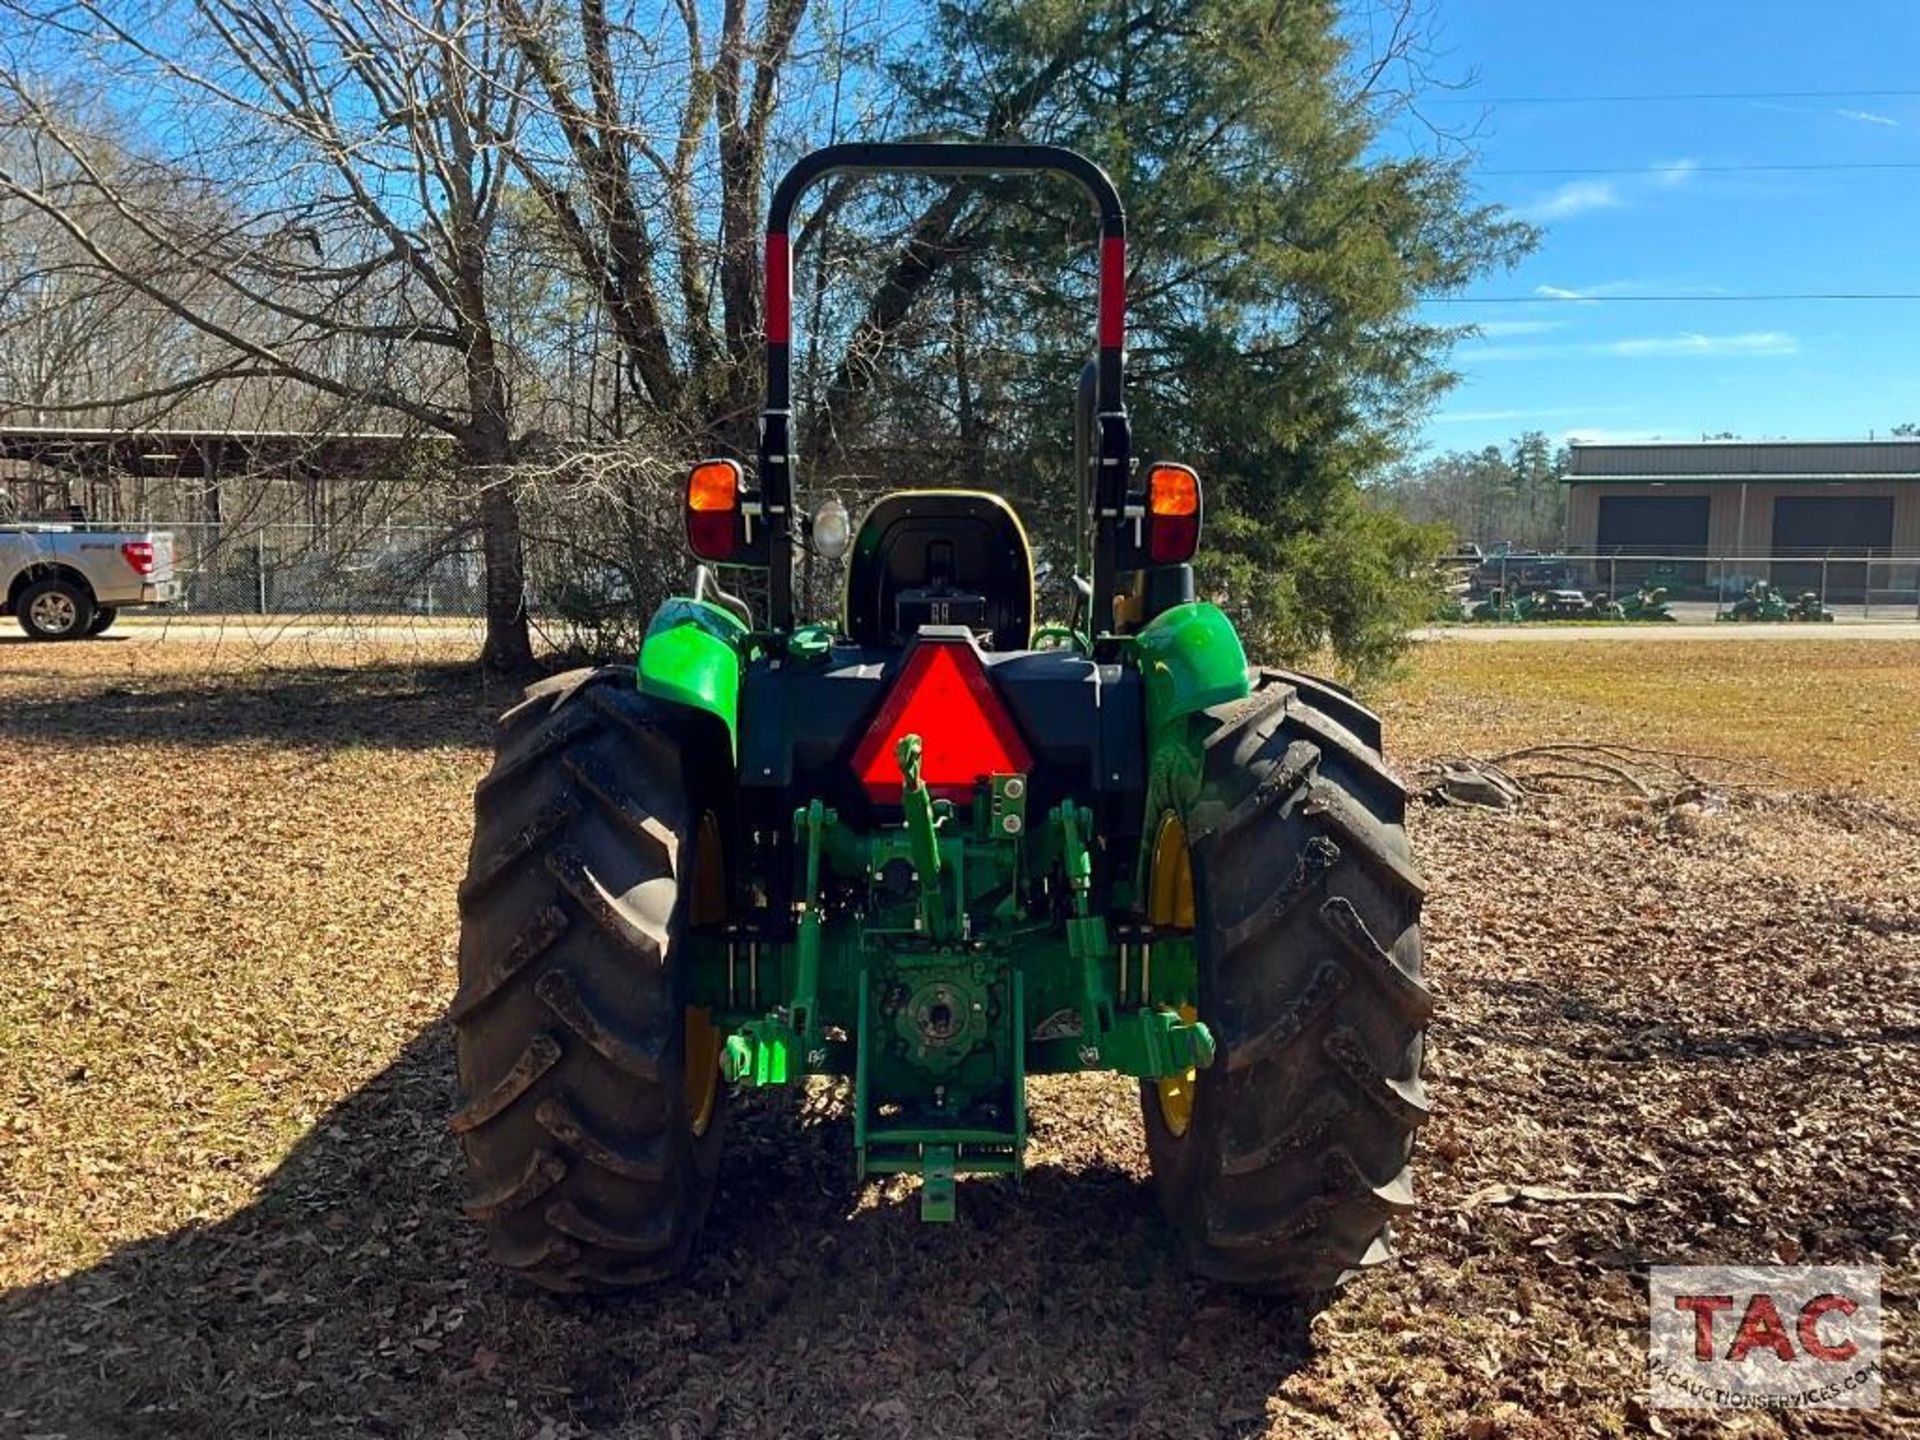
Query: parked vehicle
point(1562, 605)
point(1764, 603)
point(1501, 605)
point(65, 582)
point(1649, 602)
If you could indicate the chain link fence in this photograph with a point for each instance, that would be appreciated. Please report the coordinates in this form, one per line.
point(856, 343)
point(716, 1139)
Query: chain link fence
point(1854, 583)
point(293, 569)
point(600, 575)
point(595, 568)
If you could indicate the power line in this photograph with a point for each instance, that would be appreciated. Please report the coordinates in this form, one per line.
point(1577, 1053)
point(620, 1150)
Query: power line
point(1699, 169)
point(1663, 299)
point(1661, 97)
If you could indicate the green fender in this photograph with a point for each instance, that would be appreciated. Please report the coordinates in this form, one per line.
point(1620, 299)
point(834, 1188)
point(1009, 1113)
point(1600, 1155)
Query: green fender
point(1190, 659)
point(692, 656)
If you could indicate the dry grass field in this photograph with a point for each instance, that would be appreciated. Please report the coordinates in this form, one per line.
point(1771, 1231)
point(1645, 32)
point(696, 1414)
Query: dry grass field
point(1832, 714)
point(229, 1205)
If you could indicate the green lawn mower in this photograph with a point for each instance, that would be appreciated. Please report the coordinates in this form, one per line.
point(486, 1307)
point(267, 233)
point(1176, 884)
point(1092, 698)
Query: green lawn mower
point(1647, 604)
point(1765, 604)
point(932, 850)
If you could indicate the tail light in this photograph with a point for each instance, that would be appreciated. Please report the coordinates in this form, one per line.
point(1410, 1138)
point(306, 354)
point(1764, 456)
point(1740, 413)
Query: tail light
point(714, 530)
point(943, 695)
point(139, 556)
point(1173, 514)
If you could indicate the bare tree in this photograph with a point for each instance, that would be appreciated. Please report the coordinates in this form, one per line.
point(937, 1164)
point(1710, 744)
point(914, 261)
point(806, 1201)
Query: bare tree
point(337, 179)
point(651, 150)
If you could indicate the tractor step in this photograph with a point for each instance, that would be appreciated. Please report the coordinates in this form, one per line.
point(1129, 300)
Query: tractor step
point(936, 1183)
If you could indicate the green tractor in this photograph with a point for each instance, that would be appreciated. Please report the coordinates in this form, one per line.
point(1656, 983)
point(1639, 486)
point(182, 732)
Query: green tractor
point(931, 850)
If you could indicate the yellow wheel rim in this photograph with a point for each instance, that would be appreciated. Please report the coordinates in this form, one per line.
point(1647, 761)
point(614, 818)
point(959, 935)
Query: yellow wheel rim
point(1170, 902)
point(703, 1068)
point(1170, 879)
point(706, 905)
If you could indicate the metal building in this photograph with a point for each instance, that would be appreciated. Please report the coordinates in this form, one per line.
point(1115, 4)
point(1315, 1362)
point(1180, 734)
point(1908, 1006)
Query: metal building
point(1808, 503)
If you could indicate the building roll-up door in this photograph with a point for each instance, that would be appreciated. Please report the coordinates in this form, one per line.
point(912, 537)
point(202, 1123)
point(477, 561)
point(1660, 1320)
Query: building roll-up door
point(1654, 524)
point(1830, 525)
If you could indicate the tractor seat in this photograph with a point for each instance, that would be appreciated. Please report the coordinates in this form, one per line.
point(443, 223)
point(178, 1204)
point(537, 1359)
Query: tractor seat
point(940, 557)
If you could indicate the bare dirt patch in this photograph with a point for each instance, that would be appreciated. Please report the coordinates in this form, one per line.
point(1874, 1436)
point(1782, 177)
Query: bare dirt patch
point(228, 1204)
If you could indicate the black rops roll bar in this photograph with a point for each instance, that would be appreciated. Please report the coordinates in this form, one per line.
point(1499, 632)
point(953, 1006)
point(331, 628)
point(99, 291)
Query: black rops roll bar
point(1112, 451)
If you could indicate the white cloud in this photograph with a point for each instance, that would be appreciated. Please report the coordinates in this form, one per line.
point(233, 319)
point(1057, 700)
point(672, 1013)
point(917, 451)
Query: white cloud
point(1606, 288)
point(1592, 292)
point(1684, 345)
point(1580, 197)
point(1577, 197)
point(1752, 342)
point(1863, 117)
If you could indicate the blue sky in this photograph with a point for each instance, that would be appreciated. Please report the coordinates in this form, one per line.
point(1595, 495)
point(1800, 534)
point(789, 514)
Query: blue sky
point(1670, 224)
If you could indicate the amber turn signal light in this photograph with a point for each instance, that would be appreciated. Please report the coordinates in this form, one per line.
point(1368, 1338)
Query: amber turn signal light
point(713, 509)
point(1173, 514)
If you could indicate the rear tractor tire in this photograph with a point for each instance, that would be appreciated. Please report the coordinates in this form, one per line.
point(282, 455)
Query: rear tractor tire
point(590, 1106)
point(1283, 1164)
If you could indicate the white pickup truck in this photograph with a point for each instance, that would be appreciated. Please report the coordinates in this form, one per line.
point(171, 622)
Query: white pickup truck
point(63, 582)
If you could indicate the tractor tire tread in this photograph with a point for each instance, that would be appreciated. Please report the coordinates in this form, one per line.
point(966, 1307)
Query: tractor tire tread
point(567, 1020)
point(559, 1119)
point(1295, 1160)
point(631, 1057)
point(536, 937)
point(1275, 789)
point(549, 741)
point(602, 911)
point(484, 874)
point(1311, 1128)
point(541, 1055)
point(540, 1258)
point(542, 1172)
point(1333, 701)
point(1335, 807)
point(604, 790)
point(569, 1219)
point(1405, 991)
point(1321, 991)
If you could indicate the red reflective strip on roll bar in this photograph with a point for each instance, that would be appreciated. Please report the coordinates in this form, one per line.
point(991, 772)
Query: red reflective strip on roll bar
point(1113, 292)
point(779, 291)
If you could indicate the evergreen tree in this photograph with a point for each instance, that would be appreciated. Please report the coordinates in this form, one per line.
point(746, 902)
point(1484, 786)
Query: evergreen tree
point(1277, 260)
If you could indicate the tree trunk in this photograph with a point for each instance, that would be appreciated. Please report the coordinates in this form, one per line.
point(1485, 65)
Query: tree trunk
point(507, 648)
point(489, 453)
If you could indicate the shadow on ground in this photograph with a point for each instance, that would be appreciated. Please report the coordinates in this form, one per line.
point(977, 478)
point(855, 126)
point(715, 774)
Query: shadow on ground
point(351, 1298)
point(425, 705)
point(6, 640)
